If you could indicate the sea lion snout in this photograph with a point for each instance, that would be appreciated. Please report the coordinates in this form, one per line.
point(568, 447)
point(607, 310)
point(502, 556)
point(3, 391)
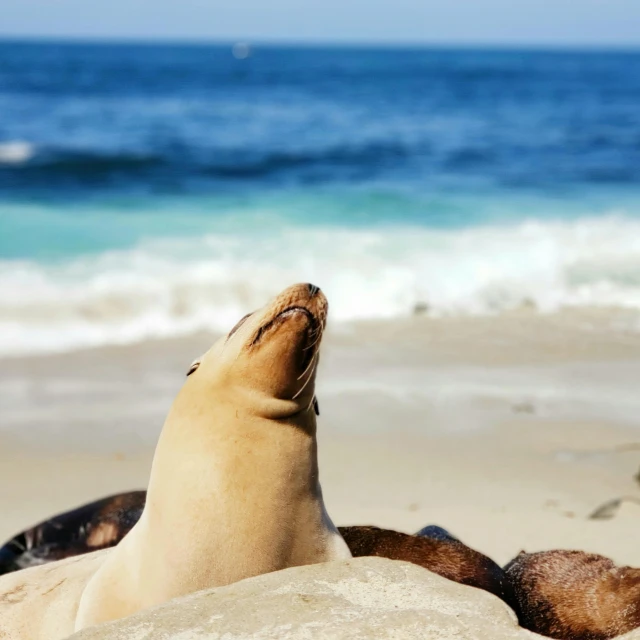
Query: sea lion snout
point(289, 333)
point(304, 295)
point(303, 308)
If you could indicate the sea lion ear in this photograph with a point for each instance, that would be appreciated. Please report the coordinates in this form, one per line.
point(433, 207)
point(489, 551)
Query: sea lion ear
point(194, 365)
point(316, 407)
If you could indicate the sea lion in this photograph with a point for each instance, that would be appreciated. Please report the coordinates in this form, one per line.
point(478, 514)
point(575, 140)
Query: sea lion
point(448, 557)
point(104, 523)
point(97, 525)
point(74, 533)
point(233, 492)
point(573, 595)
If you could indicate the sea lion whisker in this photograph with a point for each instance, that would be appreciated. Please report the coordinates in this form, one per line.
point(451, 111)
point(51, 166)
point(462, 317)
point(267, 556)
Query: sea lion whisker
point(311, 362)
point(309, 370)
point(304, 386)
point(309, 377)
point(315, 342)
point(313, 406)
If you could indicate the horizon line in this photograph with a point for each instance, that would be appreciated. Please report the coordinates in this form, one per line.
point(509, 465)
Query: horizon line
point(324, 43)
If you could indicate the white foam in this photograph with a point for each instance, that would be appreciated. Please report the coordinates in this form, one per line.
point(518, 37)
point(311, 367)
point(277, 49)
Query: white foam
point(16, 152)
point(168, 288)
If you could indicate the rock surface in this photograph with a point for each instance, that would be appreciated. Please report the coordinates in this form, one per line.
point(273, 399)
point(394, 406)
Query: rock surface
point(360, 598)
point(368, 598)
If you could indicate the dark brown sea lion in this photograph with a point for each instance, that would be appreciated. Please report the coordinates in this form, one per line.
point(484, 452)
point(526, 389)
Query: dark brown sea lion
point(573, 595)
point(97, 525)
point(437, 551)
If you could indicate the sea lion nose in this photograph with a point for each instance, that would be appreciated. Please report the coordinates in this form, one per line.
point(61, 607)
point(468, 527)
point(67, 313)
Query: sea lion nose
point(313, 290)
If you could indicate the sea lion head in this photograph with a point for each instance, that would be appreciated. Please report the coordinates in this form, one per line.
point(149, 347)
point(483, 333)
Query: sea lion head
point(270, 356)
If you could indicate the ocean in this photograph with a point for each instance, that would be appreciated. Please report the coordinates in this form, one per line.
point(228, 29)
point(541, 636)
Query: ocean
point(150, 191)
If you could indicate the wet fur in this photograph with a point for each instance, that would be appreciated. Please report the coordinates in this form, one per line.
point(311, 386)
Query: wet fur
point(97, 525)
point(445, 556)
point(572, 595)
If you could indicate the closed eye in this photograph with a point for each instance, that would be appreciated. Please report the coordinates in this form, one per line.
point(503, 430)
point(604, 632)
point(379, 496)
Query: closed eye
point(194, 365)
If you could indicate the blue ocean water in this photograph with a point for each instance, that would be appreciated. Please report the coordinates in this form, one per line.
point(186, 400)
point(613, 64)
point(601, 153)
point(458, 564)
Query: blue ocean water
point(152, 190)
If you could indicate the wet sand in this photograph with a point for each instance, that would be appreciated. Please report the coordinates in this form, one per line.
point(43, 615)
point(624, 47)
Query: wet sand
point(508, 431)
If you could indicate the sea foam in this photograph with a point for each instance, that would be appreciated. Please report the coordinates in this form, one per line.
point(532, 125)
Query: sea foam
point(164, 288)
point(16, 152)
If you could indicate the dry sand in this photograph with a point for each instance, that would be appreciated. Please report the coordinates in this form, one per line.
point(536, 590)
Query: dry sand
point(507, 431)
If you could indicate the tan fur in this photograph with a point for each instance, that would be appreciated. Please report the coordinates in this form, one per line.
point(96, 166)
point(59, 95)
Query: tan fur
point(234, 488)
point(42, 603)
point(574, 595)
point(103, 535)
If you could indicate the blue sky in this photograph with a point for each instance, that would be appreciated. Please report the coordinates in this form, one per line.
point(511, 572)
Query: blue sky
point(511, 22)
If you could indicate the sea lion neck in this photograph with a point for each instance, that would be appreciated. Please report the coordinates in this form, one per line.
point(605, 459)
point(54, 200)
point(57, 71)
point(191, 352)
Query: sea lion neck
point(219, 401)
point(259, 404)
point(243, 463)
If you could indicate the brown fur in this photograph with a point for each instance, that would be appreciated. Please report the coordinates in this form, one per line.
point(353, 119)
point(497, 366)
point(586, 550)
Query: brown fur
point(574, 595)
point(449, 558)
point(96, 525)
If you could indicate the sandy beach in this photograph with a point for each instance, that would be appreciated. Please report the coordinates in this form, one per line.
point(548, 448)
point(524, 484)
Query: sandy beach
point(509, 431)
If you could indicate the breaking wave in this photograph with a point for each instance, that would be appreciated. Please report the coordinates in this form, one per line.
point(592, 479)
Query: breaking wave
point(166, 288)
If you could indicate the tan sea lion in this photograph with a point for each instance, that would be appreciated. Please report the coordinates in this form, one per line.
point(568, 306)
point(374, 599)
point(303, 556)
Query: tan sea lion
point(234, 488)
point(437, 551)
point(573, 595)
